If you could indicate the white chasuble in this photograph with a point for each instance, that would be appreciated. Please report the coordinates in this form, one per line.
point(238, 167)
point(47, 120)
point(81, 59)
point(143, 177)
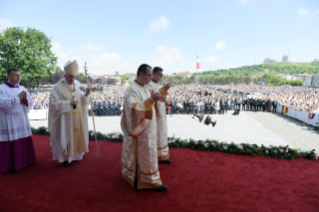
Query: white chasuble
point(139, 153)
point(68, 126)
point(14, 118)
point(161, 123)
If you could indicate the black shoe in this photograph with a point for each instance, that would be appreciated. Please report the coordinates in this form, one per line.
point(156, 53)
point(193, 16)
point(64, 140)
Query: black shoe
point(161, 188)
point(66, 164)
point(14, 171)
point(168, 161)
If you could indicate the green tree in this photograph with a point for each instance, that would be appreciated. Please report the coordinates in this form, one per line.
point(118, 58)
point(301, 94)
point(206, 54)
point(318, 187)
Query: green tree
point(29, 51)
point(81, 77)
point(59, 71)
point(248, 80)
point(285, 58)
point(268, 60)
point(124, 78)
point(315, 62)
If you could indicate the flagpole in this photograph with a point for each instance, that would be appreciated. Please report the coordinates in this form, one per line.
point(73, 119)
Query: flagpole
point(195, 74)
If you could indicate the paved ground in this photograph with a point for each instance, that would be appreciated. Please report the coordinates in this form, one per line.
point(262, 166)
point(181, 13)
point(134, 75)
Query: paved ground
point(298, 134)
point(238, 129)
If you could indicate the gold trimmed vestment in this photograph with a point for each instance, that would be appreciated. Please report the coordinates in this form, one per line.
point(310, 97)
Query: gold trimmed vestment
point(139, 153)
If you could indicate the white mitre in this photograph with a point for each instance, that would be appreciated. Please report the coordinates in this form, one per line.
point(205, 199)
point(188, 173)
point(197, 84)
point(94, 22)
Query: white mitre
point(71, 68)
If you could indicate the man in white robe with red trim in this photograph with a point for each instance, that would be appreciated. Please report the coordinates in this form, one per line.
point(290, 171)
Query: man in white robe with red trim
point(16, 144)
point(161, 122)
point(138, 123)
point(68, 122)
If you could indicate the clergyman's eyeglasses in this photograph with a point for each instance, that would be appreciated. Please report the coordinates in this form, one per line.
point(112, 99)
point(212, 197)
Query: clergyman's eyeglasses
point(16, 75)
point(149, 75)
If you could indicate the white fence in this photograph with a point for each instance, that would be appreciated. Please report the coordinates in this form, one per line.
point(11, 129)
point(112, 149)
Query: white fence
point(38, 114)
point(300, 115)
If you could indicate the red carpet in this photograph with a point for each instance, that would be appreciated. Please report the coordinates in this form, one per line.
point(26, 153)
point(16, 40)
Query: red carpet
point(197, 181)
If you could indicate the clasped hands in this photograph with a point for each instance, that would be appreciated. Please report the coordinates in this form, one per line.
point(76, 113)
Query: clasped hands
point(23, 95)
point(23, 98)
point(166, 86)
point(157, 96)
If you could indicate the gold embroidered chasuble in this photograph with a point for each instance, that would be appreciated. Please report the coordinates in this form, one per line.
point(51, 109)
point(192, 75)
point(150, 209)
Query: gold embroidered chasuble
point(68, 126)
point(139, 153)
point(161, 122)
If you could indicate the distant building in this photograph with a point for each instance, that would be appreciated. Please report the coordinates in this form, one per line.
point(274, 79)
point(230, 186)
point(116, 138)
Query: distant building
point(115, 79)
point(185, 74)
point(307, 78)
point(288, 77)
point(100, 80)
point(303, 75)
point(130, 75)
point(108, 79)
point(315, 80)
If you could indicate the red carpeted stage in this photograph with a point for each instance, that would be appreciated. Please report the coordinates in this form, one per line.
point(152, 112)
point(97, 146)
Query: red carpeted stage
point(197, 181)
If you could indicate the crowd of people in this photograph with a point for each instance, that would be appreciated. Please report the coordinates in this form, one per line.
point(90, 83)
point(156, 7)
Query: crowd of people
point(216, 99)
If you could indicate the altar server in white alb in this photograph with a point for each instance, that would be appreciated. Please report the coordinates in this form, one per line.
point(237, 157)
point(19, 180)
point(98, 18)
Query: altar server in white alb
point(16, 144)
point(160, 108)
point(68, 122)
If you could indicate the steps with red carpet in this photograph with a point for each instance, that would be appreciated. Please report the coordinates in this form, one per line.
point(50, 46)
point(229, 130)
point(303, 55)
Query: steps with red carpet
point(197, 181)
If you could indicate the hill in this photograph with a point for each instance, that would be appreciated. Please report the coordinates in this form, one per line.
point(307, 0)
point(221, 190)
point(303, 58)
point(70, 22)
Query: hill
point(259, 70)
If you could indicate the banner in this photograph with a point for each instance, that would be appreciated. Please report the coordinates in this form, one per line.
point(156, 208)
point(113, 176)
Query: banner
point(314, 120)
point(304, 116)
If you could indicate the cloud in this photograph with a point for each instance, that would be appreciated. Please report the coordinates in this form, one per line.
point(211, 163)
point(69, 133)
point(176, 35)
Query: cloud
point(306, 12)
point(211, 59)
point(161, 24)
point(99, 61)
point(107, 63)
point(58, 51)
point(243, 1)
point(220, 45)
point(168, 57)
point(169, 52)
point(171, 60)
point(5, 23)
point(92, 48)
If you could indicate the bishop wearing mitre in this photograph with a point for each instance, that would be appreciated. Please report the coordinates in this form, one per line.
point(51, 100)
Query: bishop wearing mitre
point(68, 122)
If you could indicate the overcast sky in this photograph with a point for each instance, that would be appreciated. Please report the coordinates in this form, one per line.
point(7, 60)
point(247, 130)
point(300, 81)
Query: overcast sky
point(120, 35)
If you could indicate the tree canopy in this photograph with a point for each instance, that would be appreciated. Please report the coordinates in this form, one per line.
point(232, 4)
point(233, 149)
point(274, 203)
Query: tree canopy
point(29, 51)
point(315, 62)
point(277, 80)
point(268, 60)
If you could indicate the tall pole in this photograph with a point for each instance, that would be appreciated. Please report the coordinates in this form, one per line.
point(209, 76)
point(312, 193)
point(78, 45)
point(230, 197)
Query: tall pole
point(92, 113)
point(195, 75)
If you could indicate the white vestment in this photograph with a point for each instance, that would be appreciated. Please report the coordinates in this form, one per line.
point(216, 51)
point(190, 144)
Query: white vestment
point(14, 120)
point(161, 122)
point(68, 126)
point(138, 123)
